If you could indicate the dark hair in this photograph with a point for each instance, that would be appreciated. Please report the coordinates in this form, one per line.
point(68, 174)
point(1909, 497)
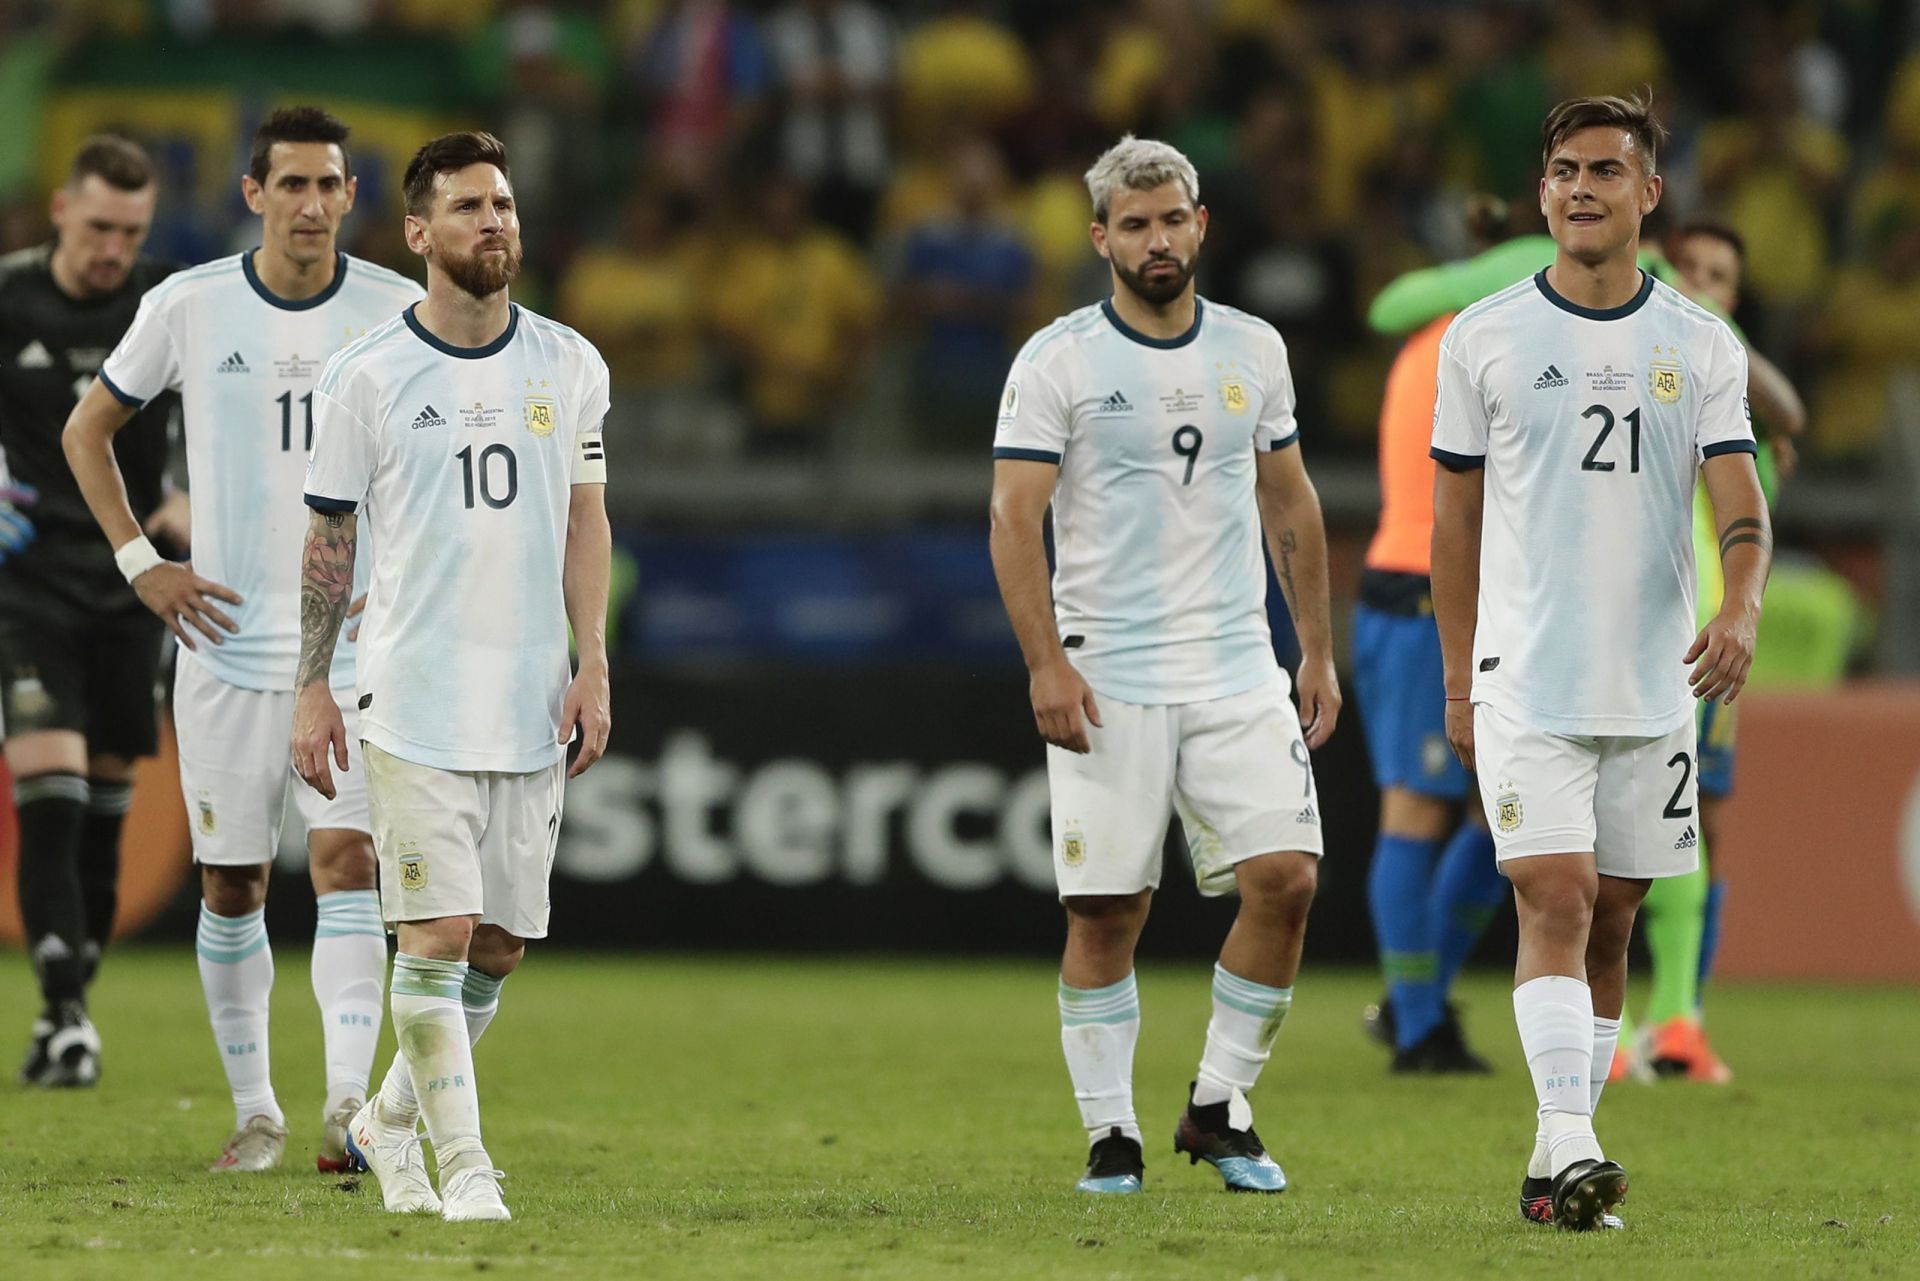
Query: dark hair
point(119, 162)
point(1489, 220)
point(1635, 115)
point(448, 152)
point(296, 124)
point(1719, 231)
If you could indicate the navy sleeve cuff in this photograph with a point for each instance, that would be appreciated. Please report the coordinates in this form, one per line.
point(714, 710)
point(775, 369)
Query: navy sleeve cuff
point(1720, 447)
point(131, 402)
point(336, 506)
point(1457, 462)
point(1026, 455)
point(1278, 445)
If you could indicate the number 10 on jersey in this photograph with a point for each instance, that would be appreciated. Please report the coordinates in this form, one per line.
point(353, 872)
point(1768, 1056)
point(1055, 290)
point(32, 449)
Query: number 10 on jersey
point(498, 475)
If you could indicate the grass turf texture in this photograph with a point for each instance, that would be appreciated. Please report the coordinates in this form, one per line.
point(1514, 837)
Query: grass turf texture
point(668, 1118)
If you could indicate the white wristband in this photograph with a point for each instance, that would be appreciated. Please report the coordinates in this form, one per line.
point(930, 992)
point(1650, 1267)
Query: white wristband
point(136, 558)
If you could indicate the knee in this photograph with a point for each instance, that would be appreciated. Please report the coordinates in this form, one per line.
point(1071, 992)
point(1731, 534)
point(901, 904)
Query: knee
point(338, 859)
point(1409, 814)
point(1561, 904)
point(234, 891)
point(494, 951)
point(1283, 884)
point(449, 938)
point(1105, 920)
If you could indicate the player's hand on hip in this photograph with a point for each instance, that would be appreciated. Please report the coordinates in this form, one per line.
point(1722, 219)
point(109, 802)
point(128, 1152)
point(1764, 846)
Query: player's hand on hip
point(589, 706)
point(1460, 730)
point(1319, 689)
point(354, 611)
point(1721, 655)
point(319, 737)
point(182, 598)
point(1061, 698)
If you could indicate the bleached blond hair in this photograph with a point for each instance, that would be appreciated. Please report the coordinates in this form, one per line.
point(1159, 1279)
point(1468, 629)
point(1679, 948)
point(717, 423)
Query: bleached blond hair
point(1138, 164)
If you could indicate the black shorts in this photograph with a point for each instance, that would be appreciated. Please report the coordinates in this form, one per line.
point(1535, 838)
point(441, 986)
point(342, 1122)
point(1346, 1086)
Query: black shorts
point(95, 674)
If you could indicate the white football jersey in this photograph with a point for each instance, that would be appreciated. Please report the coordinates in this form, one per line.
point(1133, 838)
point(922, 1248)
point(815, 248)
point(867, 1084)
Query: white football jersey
point(1159, 584)
point(1592, 425)
point(464, 459)
point(245, 362)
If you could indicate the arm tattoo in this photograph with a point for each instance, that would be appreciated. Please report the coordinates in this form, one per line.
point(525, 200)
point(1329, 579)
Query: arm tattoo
point(326, 587)
point(1744, 530)
point(1289, 543)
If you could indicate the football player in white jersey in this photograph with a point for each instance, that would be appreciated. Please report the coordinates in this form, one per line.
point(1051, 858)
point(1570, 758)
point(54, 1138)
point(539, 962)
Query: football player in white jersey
point(1574, 412)
point(469, 430)
point(1160, 428)
point(243, 339)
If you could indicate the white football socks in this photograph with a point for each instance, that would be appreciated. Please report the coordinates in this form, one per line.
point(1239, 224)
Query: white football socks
point(1098, 1030)
point(236, 976)
point(1246, 1019)
point(431, 1026)
point(479, 1001)
point(1606, 1039)
point(1555, 1017)
point(349, 976)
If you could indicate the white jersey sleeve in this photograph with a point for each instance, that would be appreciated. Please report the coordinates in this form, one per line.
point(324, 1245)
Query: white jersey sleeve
point(1277, 427)
point(1036, 418)
point(340, 468)
point(146, 361)
point(1459, 411)
point(1725, 424)
point(590, 446)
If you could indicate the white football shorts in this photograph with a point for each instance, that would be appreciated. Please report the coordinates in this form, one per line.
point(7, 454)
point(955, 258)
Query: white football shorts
point(458, 843)
point(1631, 801)
point(236, 768)
point(1235, 768)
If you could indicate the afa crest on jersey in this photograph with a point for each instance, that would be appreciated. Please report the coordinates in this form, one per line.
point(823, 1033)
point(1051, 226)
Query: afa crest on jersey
point(1073, 848)
point(413, 872)
point(540, 416)
point(207, 822)
point(1233, 396)
point(1665, 380)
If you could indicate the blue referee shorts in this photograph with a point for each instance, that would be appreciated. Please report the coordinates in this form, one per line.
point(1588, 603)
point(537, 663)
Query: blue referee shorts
point(1397, 676)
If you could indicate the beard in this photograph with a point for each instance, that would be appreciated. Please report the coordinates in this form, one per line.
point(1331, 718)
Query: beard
point(1158, 291)
point(480, 273)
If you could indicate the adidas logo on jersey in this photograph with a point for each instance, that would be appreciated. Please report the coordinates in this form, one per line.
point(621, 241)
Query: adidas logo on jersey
point(1552, 378)
point(1114, 404)
point(1687, 839)
point(234, 364)
point(429, 417)
point(35, 356)
point(1307, 815)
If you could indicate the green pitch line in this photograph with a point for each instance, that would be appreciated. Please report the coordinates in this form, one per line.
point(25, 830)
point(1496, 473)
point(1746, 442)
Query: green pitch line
point(680, 1118)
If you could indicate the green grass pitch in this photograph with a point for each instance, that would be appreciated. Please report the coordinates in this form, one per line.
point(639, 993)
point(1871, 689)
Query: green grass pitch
point(746, 1118)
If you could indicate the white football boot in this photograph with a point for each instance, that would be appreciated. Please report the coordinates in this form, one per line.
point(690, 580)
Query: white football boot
point(392, 1155)
point(473, 1196)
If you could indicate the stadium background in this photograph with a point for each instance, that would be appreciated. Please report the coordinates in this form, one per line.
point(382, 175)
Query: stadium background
point(809, 235)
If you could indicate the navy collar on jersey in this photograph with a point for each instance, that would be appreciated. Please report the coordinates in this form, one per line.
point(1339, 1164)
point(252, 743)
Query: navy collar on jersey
point(1193, 331)
point(465, 353)
point(294, 304)
point(1624, 310)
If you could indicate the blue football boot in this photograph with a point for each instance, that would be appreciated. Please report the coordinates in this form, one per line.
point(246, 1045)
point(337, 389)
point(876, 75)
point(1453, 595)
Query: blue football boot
point(1205, 1134)
point(1114, 1164)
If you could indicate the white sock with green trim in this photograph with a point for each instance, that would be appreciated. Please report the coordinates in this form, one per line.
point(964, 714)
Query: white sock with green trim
point(349, 978)
point(431, 1024)
point(1246, 1019)
point(236, 976)
point(479, 1001)
point(1098, 1030)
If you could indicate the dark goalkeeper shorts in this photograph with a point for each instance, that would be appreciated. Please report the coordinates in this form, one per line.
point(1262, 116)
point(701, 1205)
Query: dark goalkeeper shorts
point(94, 674)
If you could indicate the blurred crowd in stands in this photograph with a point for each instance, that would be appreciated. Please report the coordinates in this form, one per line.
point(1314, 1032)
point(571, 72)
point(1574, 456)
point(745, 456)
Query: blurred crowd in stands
point(807, 226)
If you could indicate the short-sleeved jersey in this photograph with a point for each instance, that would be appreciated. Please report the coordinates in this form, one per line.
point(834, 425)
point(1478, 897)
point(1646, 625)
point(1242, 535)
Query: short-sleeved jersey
point(1159, 583)
point(1592, 426)
point(1402, 543)
point(51, 345)
point(245, 362)
point(464, 460)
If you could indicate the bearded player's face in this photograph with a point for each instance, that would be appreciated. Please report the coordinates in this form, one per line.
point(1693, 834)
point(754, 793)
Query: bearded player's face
point(1153, 239)
point(472, 232)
